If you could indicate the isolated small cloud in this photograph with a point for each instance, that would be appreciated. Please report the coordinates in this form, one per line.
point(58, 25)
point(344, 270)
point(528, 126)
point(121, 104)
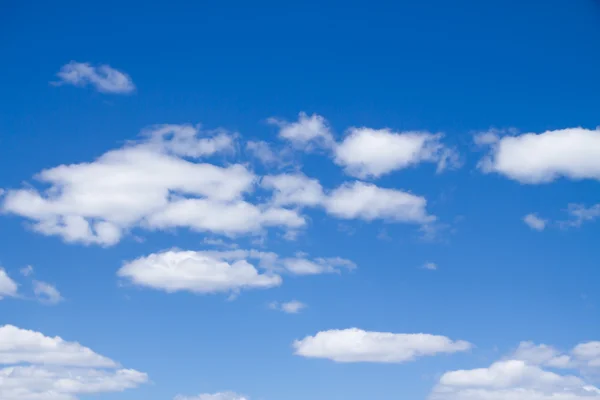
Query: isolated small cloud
point(430, 266)
point(46, 293)
point(291, 307)
point(356, 345)
point(535, 222)
point(26, 271)
point(103, 78)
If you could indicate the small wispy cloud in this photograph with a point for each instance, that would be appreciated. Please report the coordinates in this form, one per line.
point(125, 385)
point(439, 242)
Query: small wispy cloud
point(46, 293)
point(291, 307)
point(26, 271)
point(103, 78)
point(535, 222)
point(430, 266)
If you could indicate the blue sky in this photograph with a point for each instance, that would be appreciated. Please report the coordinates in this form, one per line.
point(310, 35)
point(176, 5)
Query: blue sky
point(272, 201)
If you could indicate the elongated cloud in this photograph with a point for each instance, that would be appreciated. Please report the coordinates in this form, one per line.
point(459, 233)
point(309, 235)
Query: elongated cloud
point(535, 158)
point(356, 345)
point(103, 78)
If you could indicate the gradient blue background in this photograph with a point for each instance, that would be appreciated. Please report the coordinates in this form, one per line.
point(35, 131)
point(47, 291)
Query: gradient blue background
point(456, 67)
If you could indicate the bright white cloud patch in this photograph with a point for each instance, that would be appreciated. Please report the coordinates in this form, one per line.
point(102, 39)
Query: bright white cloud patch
point(540, 158)
point(291, 307)
point(535, 222)
point(367, 152)
point(356, 345)
point(39, 367)
point(46, 293)
point(215, 396)
point(103, 78)
point(294, 189)
point(307, 132)
point(8, 287)
point(228, 271)
point(198, 272)
point(430, 266)
point(524, 375)
point(150, 184)
point(366, 201)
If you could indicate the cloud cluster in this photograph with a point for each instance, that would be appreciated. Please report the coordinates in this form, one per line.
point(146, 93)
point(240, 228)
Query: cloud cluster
point(356, 345)
point(222, 271)
point(524, 375)
point(42, 367)
point(290, 307)
point(103, 78)
point(367, 152)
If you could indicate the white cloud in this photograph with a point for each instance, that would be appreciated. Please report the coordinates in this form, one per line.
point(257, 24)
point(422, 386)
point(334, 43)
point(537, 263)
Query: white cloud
point(262, 151)
point(46, 293)
point(197, 272)
point(38, 367)
point(531, 158)
point(306, 132)
point(521, 375)
point(367, 152)
point(148, 184)
point(356, 345)
point(366, 201)
point(535, 222)
point(215, 396)
point(512, 380)
point(26, 271)
point(430, 266)
point(56, 383)
point(228, 271)
point(8, 287)
point(578, 214)
point(25, 346)
point(217, 242)
point(294, 189)
point(104, 78)
point(291, 307)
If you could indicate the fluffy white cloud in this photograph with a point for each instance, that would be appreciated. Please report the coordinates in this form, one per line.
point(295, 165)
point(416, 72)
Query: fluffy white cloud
point(148, 184)
point(198, 272)
point(46, 293)
point(356, 345)
point(39, 367)
point(215, 396)
point(262, 151)
point(540, 158)
point(521, 376)
point(367, 201)
point(8, 287)
point(367, 152)
point(58, 383)
point(512, 380)
point(294, 189)
point(104, 78)
point(535, 222)
point(306, 132)
point(25, 346)
point(291, 307)
point(228, 271)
